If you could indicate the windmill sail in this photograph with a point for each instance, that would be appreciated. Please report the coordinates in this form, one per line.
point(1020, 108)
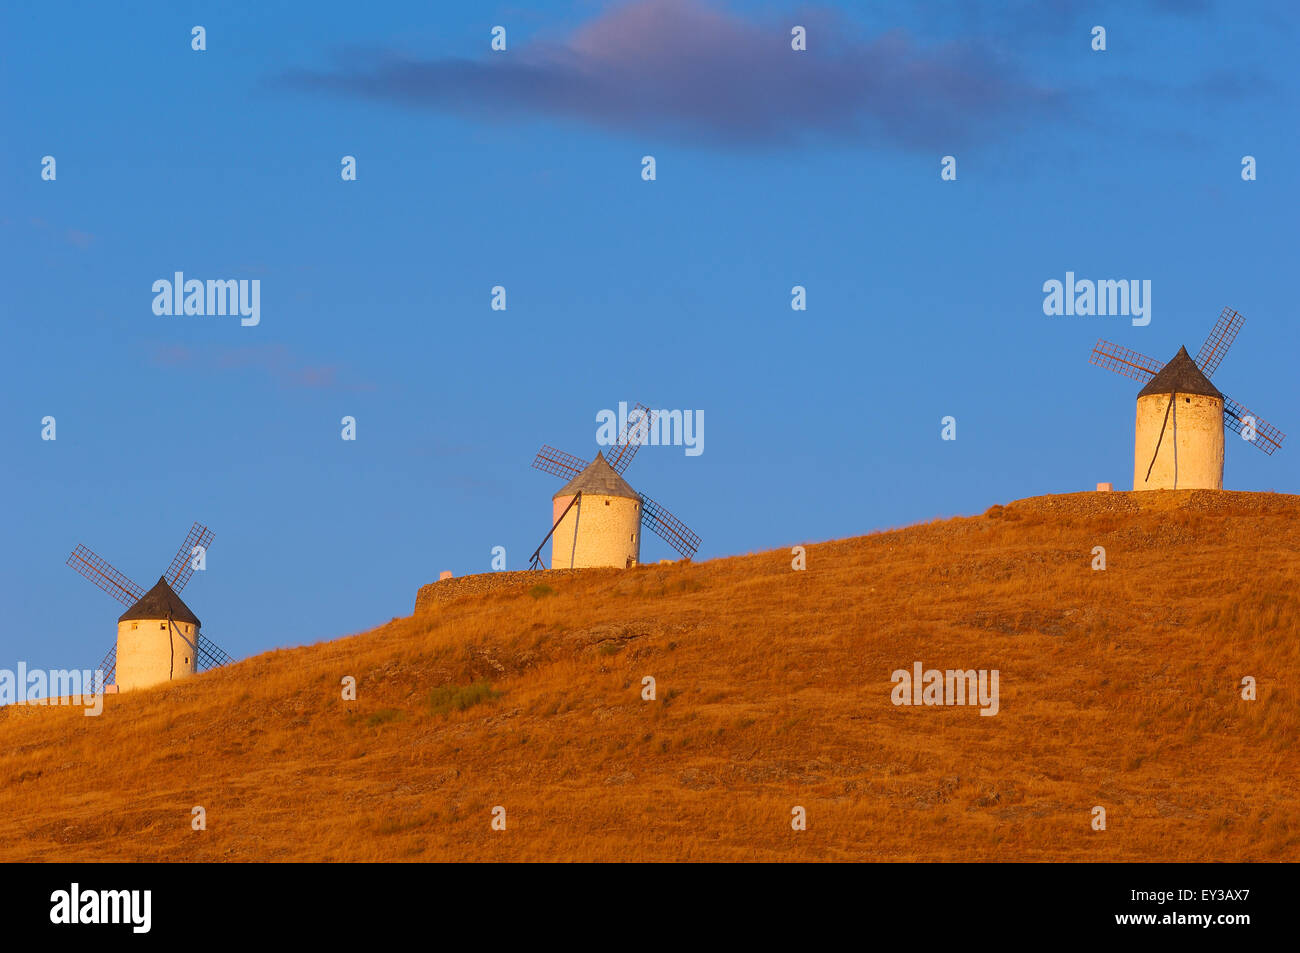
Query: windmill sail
point(1124, 361)
point(211, 655)
point(102, 573)
point(109, 666)
point(558, 463)
point(668, 527)
point(182, 567)
point(1237, 418)
point(635, 432)
point(1218, 341)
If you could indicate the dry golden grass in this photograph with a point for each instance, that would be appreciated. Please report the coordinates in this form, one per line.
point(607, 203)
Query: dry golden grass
point(1118, 688)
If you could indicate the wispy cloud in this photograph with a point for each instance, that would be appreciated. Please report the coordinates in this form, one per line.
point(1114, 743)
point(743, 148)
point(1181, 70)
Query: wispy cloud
point(73, 236)
point(683, 69)
point(273, 360)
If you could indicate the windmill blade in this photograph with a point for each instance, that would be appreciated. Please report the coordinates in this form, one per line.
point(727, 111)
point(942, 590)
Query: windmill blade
point(558, 463)
point(1267, 437)
point(1121, 360)
point(99, 571)
point(628, 447)
point(1218, 341)
point(182, 567)
point(210, 655)
point(109, 665)
point(668, 527)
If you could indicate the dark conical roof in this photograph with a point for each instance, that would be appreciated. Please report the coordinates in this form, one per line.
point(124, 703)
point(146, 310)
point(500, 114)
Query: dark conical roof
point(598, 479)
point(1182, 376)
point(160, 602)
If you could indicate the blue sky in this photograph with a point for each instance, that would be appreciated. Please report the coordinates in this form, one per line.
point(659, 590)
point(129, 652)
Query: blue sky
point(523, 169)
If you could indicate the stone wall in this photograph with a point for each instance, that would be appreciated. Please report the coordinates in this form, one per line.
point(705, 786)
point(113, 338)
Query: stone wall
point(445, 590)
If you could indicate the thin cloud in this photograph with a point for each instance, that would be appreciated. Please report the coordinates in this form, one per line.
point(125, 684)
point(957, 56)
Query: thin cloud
point(272, 360)
point(73, 236)
point(680, 68)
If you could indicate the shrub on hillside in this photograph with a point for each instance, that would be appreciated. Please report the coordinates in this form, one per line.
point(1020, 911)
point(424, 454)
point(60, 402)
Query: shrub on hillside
point(446, 698)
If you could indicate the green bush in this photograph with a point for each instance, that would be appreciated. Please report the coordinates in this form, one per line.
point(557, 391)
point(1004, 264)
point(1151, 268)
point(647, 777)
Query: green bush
point(447, 698)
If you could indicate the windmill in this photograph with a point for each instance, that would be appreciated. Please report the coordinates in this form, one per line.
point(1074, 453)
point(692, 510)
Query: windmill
point(615, 513)
point(158, 636)
point(1184, 384)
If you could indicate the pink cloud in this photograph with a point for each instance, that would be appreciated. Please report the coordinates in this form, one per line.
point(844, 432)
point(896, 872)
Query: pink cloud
point(273, 360)
point(686, 69)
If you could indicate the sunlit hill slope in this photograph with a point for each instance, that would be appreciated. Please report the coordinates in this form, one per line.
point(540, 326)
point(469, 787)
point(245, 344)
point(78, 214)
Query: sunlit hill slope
point(1118, 688)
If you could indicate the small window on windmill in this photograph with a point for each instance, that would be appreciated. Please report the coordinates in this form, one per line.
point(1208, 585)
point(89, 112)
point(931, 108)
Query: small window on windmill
point(135, 625)
point(162, 625)
point(607, 502)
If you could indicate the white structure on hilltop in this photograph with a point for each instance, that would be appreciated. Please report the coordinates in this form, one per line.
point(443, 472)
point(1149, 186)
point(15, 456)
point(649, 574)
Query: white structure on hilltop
point(597, 518)
point(1178, 435)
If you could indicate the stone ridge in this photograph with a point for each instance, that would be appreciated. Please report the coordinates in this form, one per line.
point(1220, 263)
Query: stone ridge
point(445, 590)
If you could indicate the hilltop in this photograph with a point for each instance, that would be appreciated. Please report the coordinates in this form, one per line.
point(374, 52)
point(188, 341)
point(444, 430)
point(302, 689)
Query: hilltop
point(1119, 688)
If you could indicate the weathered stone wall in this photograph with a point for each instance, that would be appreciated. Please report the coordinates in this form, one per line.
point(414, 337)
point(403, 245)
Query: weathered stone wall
point(445, 590)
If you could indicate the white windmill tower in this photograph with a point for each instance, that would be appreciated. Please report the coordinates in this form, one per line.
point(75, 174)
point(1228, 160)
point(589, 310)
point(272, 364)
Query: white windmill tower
point(597, 516)
point(1181, 416)
point(158, 637)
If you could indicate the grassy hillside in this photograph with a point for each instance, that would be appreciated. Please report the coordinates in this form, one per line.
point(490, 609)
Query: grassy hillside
point(1118, 688)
